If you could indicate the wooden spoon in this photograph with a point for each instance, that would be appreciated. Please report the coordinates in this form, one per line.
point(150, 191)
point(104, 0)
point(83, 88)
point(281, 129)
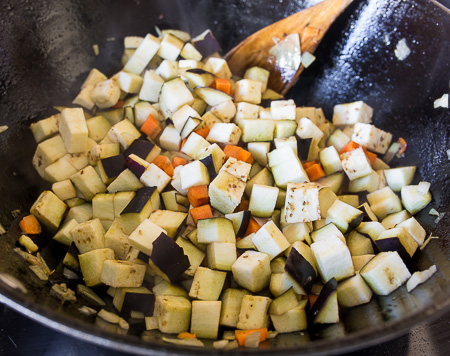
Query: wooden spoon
point(255, 49)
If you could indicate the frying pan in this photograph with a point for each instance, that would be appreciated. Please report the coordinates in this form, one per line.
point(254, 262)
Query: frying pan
point(46, 52)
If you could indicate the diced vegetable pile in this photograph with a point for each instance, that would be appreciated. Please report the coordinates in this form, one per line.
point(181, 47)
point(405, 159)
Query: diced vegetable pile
point(207, 201)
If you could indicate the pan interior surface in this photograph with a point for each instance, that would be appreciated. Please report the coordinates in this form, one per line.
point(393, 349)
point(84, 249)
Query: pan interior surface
point(46, 51)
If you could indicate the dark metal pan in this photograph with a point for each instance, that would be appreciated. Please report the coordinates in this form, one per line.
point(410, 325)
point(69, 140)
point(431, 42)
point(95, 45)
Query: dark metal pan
point(46, 52)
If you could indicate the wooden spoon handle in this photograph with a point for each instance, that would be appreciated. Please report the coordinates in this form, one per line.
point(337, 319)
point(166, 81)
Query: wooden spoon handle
point(255, 49)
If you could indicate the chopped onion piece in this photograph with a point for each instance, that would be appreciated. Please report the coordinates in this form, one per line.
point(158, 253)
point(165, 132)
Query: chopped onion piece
point(402, 50)
point(288, 53)
point(423, 187)
point(12, 282)
point(2, 229)
point(3, 128)
point(391, 152)
point(85, 310)
point(441, 215)
point(307, 59)
point(28, 243)
point(124, 324)
point(442, 102)
point(96, 49)
point(252, 340)
point(273, 334)
point(420, 277)
point(433, 212)
point(220, 344)
point(427, 241)
point(184, 342)
point(69, 274)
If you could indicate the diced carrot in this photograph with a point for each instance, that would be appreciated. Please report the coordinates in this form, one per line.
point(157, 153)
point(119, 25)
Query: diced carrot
point(164, 163)
point(201, 212)
point(231, 151)
point(186, 335)
point(223, 84)
point(179, 161)
point(242, 206)
point(349, 147)
point(119, 104)
point(151, 127)
point(242, 334)
point(245, 156)
point(403, 145)
point(315, 172)
point(253, 226)
point(370, 155)
point(312, 299)
point(310, 32)
point(198, 195)
point(309, 164)
point(183, 142)
point(30, 225)
point(204, 131)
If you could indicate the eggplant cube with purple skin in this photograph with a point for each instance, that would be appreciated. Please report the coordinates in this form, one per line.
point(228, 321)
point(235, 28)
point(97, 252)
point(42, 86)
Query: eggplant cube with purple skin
point(302, 203)
point(333, 258)
point(169, 257)
point(252, 270)
point(134, 299)
point(326, 310)
point(145, 234)
point(397, 239)
point(173, 313)
point(270, 240)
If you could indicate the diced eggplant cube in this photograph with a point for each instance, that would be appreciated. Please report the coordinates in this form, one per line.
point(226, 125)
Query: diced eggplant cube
point(325, 309)
point(384, 202)
point(231, 305)
point(166, 288)
point(358, 244)
point(414, 198)
point(170, 47)
point(263, 200)
point(352, 113)
point(169, 257)
point(136, 165)
point(124, 133)
point(353, 291)
point(73, 129)
point(257, 130)
point(155, 177)
point(355, 164)
point(206, 43)
point(80, 213)
point(207, 284)
point(300, 269)
point(371, 137)
point(225, 192)
point(139, 208)
point(302, 203)
point(228, 133)
point(170, 221)
point(105, 94)
point(121, 274)
point(248, 90)
point(218, 67)
point(270, 240)
point(282, 109)
point(194, 144)
point(91, 264)
point(49, 209)
point(145, 234)
point(397, 239)
point(63, 235)
point(193, 174)
point(215, 230)
point(297, 232)
point(344, 216)
point(143, 54)
point(117, 240)
point(143, 149)
point(194, 254)
point(252, 270)
point(221, 255)
point(103, 206)
point(205, 318)
point(138, 299)
point(294, 319)
point(45, 128)
point(325, 231)
point(47, 152)
point(173, 313)
point(414, 228)
point(333, 258)
point(237, 168)
point(360, 261)
point(385, 272)
point(174, 94)
point(113, 165)
point(89, 235)
point(254, 312)
point(88, 182)
point(121, 200)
